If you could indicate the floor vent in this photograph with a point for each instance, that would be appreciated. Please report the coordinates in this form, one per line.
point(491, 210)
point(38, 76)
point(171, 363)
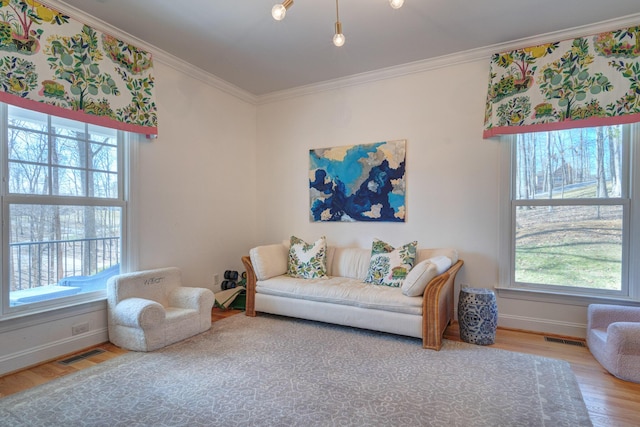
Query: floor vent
point(563, 341)
point(77, 357)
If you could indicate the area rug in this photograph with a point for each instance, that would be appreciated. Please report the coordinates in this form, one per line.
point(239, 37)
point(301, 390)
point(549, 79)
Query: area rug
point(274, 371)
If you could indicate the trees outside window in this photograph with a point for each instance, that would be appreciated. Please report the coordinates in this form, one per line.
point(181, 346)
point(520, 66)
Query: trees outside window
point(63, 206)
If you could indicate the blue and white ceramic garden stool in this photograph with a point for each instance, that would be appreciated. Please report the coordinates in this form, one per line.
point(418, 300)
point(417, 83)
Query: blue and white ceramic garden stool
point(477, 315)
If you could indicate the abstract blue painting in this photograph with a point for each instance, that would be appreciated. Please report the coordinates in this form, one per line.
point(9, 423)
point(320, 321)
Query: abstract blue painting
point(363, 182)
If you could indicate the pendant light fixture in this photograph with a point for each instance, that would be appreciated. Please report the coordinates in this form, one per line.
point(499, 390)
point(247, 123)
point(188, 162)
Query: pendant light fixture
point(338, 37)
point(280, 10)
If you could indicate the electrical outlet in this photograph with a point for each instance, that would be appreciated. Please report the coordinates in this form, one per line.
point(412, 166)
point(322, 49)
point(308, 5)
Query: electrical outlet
point(80, 328)
point(215, 280)
point(464, 285)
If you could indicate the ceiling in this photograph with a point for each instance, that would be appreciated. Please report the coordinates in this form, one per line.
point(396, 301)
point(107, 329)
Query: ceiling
point(239, 42)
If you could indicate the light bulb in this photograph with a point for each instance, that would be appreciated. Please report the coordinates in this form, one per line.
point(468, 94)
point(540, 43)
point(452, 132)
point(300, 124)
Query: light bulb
point(278, 12)
point(396, 4)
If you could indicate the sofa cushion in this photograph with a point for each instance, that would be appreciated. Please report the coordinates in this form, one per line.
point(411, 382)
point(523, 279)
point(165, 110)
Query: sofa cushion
point(341, 290)
point(348, 262)
point(307, 260)
point(269, 260)
point(389, 266)
point(422, 273)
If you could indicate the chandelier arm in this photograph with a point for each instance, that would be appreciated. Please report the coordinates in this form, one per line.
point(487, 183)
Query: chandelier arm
point(279, 11)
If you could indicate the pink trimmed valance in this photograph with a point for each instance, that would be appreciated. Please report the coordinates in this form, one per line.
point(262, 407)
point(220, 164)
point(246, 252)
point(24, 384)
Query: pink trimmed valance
point(584, 82)
point(55, 65)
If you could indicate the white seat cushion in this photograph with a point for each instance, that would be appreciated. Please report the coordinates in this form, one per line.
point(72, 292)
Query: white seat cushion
point(341, 290)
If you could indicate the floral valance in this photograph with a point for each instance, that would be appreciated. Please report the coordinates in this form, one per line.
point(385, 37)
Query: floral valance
point(53, 64)
point(587, 81)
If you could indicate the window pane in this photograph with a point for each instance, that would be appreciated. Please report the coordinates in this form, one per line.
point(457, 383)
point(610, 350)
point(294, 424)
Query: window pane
point(579, 246)
point(26, 178)
point(578, 163)
point(69, 152)
point(68, 182)
point(105, 185)
point(28, 146)
point(104, 157)
point(27, 119)
point(102, 134)
point(67, 127)
point(58, 251)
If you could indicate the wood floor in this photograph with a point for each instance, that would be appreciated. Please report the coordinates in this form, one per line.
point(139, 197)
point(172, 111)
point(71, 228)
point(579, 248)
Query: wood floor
point(610, 401)
point(40, 374)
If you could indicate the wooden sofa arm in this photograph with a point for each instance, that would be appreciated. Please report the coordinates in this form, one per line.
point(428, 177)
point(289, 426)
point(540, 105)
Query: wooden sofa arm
point(251, 287)
point(437, 307)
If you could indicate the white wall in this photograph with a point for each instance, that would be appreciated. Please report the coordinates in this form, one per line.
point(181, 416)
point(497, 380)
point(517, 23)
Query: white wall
point(453, 186)
point(196, 180)
point(193, 209)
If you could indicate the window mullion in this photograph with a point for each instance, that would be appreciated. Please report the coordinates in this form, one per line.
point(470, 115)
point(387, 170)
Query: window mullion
point(51, 142)
point(87, 166)
point(571, 202)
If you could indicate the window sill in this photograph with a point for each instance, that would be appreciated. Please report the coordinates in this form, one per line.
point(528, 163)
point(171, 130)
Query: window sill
point(35, 317)
point(560, 297)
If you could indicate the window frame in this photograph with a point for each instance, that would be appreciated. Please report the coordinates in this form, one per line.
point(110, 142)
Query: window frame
point(630, 200)
point(125, 155)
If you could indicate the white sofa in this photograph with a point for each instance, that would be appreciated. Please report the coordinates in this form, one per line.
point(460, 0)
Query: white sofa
point(345, 299)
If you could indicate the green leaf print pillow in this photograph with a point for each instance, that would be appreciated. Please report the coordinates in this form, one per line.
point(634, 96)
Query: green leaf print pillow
point(389, 266)
point(307, 260)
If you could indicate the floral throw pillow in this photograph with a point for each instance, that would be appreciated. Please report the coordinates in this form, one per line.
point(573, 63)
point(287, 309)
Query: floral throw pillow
point(307, 260)
point(389, 266)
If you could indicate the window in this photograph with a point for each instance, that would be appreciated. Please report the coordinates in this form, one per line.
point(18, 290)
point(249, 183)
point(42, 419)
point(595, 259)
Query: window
point(63, 206)
point(570, 210)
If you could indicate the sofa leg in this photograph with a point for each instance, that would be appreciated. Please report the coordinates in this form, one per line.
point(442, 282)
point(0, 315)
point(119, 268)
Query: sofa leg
point(437, 345)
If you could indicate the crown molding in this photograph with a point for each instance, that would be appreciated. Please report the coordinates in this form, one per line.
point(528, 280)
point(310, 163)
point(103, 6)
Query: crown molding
point(159, 55)
point(483, 53)
point(205, 77)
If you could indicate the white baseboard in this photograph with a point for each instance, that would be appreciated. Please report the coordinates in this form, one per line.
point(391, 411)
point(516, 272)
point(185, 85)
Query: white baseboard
point(567, 329)
point(49, 351)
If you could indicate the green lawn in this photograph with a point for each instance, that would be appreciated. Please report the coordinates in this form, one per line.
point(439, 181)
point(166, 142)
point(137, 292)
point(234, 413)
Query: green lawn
point(569, 246)
point(583, 265)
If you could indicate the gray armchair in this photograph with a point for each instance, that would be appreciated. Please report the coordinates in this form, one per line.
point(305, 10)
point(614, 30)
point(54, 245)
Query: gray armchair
point(613, 337)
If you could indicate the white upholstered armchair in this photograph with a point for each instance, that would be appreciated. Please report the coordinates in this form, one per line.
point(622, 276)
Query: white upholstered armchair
point(613, 337)
point(148, 310)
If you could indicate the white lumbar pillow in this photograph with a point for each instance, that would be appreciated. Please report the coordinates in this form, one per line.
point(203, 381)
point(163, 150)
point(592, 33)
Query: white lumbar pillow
point(422, 273)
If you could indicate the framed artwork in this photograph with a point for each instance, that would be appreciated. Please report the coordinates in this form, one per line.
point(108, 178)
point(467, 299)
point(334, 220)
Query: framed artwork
point(363, 182)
